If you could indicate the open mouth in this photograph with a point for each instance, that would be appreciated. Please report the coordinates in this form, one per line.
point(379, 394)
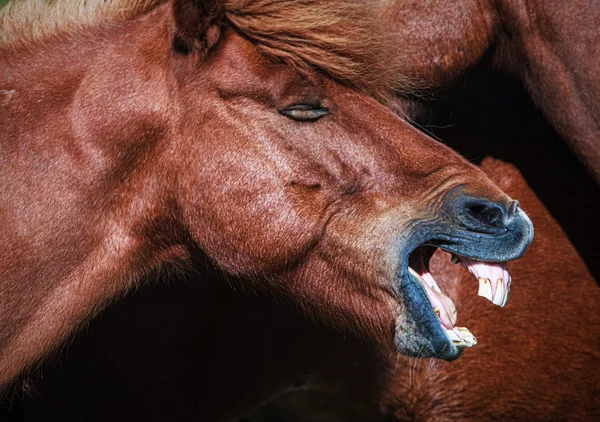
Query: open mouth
point(494, 284)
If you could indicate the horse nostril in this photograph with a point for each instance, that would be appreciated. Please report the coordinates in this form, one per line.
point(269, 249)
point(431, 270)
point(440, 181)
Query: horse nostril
point(490, 216)
point(486, 214)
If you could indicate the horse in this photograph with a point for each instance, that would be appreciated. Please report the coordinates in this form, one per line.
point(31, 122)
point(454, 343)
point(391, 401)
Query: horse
point(536, 360)
point(539, 362)
point(548, 47)
point(137, 362)
point(139, 135)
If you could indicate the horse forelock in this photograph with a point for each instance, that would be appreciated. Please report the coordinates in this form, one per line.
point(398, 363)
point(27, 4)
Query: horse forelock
point(346, 39)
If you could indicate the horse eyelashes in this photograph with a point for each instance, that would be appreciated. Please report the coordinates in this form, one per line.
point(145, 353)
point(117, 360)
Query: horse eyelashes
point(305, 112)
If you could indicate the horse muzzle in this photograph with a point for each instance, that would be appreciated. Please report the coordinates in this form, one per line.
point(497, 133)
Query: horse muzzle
point(482, 236)
point(485, 231)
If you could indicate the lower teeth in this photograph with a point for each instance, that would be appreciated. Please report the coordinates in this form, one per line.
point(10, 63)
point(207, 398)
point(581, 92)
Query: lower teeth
point(461, 337)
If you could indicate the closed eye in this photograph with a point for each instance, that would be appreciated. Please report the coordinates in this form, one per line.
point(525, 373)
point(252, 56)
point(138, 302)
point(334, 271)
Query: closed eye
point(305, 112)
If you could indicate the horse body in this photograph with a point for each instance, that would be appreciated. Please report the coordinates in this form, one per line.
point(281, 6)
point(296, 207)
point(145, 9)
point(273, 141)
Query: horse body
point(203, 126)
point(549, 47)
point(553, 49)
point(443, 39)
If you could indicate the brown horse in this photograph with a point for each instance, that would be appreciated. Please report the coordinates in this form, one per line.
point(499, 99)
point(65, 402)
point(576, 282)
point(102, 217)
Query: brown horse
point(167, 354)
point(548, 45)
point(139, 134)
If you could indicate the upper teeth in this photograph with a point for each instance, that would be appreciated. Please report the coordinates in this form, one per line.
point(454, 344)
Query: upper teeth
point(494, 280)
point(485, 288)
point(499, 297)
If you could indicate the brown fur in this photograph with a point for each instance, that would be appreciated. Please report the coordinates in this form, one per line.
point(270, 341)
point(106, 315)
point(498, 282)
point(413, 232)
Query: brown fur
point(548, 46)
point(127, 148)
point(317, 34)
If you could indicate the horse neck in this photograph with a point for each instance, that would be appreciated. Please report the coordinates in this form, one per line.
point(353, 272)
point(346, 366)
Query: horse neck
point(548, 49)
point(81, 189)
point(441, 40)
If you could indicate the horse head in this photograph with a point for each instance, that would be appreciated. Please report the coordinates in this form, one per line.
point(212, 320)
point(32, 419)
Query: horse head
point(254, 131)
point(297, 181)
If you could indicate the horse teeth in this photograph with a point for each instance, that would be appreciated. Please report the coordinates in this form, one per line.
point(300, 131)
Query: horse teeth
point(499, 295)
point(485, 289)
point(506, 294)
point(461, 337)
point(454, 259)
point(453, 336)
point(468, 338)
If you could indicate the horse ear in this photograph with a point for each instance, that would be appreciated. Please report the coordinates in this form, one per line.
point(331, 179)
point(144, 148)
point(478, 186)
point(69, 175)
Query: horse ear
point(198, 24)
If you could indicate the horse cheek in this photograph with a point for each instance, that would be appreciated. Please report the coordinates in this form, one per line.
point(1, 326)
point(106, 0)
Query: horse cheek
point(260, 236)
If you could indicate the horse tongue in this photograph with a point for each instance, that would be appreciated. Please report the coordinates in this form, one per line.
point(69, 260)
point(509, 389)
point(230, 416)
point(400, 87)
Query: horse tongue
point(494, 279)
point(442, 304)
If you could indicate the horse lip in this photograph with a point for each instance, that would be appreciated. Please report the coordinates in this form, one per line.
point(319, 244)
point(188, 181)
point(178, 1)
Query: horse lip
point(463, 249)
point(506, 246)
point(434, 341)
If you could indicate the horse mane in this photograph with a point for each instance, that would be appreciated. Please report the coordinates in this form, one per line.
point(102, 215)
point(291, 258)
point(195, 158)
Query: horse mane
point(346, 39)
point(26, 21)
